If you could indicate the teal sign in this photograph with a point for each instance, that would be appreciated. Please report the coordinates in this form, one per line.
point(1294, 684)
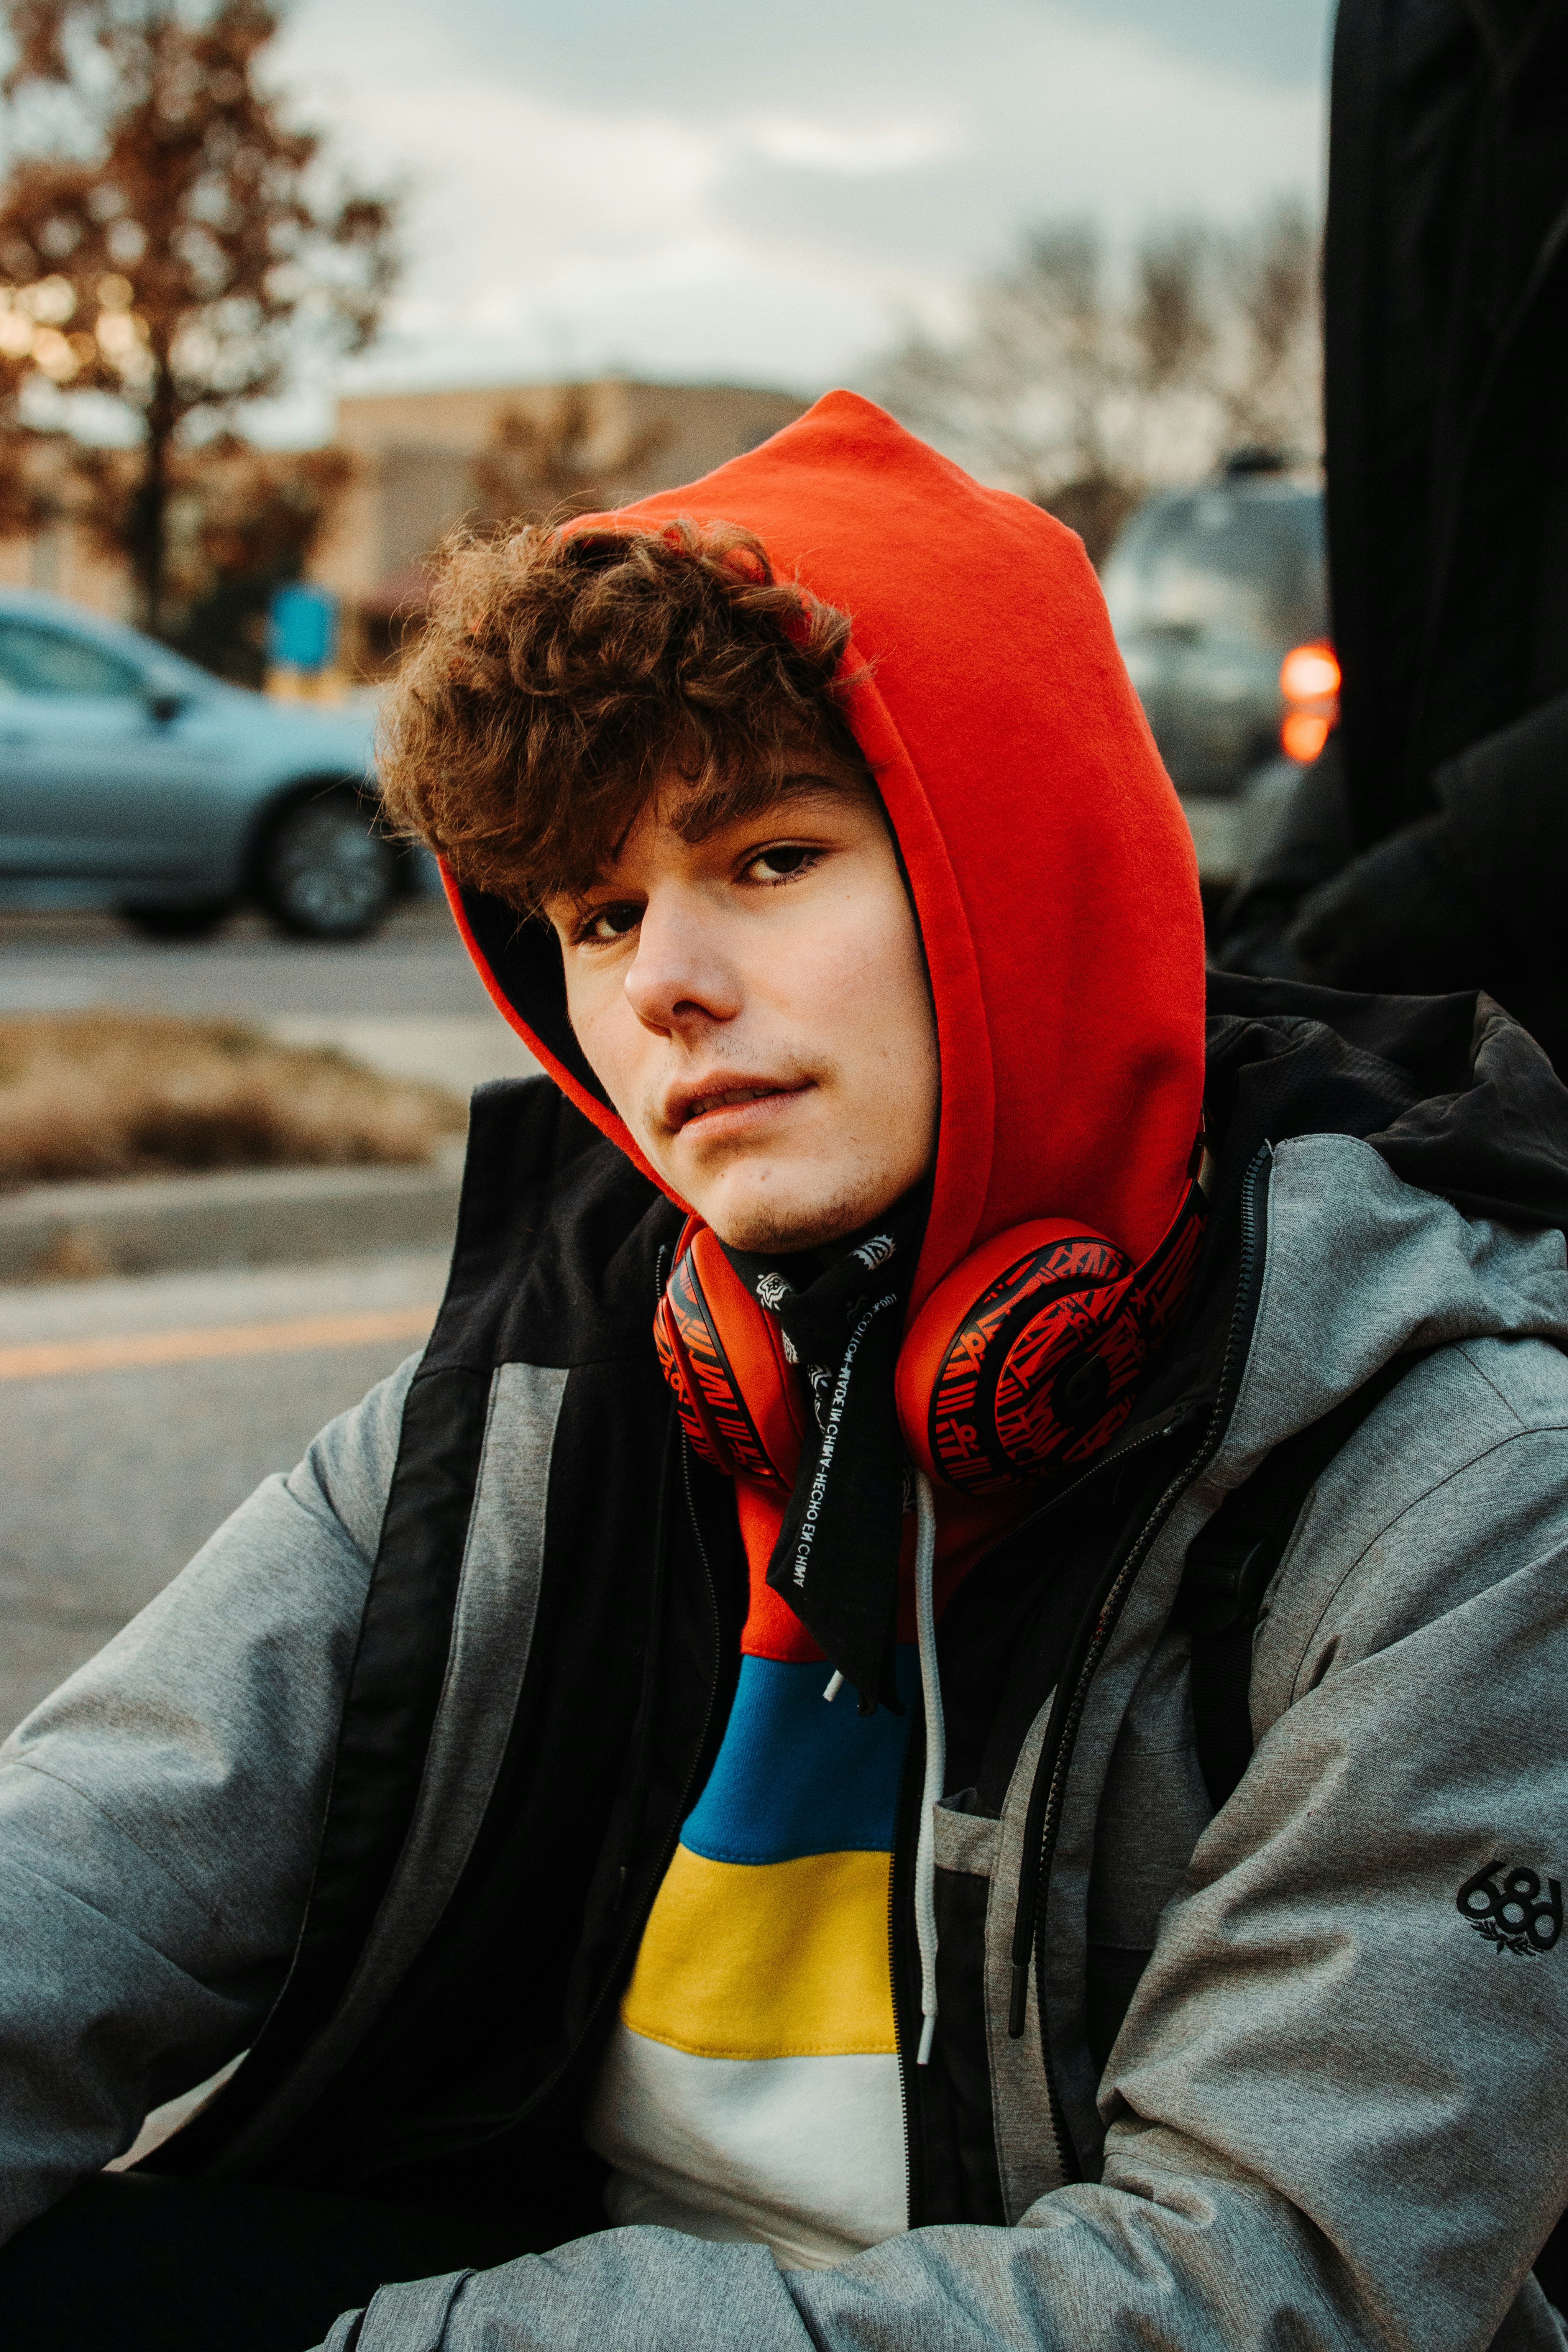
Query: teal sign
point(303, 627)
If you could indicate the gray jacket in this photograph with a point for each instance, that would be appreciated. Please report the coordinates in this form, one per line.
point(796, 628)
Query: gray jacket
point(1333, 2115)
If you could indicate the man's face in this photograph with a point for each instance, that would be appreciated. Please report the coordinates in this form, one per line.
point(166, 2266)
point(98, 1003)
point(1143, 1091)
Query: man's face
point(755, 1004)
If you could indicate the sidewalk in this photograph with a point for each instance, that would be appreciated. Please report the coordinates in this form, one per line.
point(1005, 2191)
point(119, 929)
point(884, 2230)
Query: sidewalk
point(458, 1051)
point(273, 1215)
point(241, 1217)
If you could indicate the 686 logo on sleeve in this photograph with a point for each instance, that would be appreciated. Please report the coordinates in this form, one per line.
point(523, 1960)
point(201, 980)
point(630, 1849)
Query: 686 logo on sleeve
point(1504, 1903)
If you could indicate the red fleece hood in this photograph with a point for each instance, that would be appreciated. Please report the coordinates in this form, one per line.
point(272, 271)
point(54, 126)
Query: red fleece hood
point(1053, 873)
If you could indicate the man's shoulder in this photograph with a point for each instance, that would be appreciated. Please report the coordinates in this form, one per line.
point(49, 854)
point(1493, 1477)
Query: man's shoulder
point(1453, 1485)
point(1448, 1414)
point(1527, 1377)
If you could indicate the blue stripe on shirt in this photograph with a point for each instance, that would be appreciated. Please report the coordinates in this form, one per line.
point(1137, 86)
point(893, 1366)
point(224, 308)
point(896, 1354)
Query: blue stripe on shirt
point(794, 1776)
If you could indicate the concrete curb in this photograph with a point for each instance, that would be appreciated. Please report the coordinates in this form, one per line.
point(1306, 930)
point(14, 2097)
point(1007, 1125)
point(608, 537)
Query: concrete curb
point(267, 1216)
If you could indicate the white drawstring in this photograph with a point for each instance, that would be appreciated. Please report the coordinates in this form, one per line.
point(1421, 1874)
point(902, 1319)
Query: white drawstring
point(936, 1756)
point(936, 1759)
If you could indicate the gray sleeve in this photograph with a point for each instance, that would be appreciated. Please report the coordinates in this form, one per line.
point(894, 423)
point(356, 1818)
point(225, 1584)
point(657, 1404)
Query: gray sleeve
point(159, 1816)
point(1181, 2259)
point(1335, 2108)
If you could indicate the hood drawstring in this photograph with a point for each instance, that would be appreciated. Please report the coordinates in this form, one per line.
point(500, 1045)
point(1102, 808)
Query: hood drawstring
point(936, 1758)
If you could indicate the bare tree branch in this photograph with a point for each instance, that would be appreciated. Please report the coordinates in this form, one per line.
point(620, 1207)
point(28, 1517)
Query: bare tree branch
point(1085, 376)
point(545, 468)
point(173, 250)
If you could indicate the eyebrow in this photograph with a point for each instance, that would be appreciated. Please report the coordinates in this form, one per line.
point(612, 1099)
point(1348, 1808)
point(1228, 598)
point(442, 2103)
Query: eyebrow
point(800, 785)
point(812, 784)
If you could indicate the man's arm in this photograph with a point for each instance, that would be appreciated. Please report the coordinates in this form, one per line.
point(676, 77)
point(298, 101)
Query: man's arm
point(159, 1817)
point(1337, 2105)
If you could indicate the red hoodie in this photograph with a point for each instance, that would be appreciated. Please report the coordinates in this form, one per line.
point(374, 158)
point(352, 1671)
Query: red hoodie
point(1053, 873)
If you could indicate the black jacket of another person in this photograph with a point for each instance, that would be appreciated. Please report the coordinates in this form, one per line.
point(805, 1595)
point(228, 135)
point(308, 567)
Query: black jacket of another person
point(1429, 848)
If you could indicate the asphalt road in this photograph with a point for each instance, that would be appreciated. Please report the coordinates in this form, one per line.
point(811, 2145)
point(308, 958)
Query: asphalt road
point(113, 1477)
point(135, 1414)
point(417, 966)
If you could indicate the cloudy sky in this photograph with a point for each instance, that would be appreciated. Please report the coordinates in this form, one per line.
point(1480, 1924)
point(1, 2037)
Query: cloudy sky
point(742, 190)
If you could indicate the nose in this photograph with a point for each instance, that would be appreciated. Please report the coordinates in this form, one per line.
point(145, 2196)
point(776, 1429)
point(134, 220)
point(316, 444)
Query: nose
point(680, 977)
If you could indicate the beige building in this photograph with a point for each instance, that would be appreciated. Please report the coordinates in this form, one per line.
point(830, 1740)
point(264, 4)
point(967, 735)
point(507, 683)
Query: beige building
point(62, 558)
point(424, 461)
point(63, 561)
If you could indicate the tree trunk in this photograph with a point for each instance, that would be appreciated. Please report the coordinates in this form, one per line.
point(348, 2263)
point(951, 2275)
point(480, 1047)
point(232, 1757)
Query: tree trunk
point(147, 529)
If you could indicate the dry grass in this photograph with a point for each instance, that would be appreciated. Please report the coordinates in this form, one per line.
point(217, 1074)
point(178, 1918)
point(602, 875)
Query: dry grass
point(125, 1094)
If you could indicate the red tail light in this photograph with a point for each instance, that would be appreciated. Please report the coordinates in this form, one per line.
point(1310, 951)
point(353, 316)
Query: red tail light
point(1309, 683)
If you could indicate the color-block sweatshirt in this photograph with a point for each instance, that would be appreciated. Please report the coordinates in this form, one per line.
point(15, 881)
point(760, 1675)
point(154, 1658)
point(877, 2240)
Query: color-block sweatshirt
point(751, 2089)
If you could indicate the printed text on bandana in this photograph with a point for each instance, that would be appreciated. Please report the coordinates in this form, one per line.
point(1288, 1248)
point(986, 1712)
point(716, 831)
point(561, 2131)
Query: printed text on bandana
point(830, 1437)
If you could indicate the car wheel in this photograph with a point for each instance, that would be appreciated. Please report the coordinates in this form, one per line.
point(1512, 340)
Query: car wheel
point(197, 920)
point(326, 872)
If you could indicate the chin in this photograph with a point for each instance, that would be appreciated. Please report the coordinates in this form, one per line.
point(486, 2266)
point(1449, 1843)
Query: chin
point(768, 1226)
point(769, 1235)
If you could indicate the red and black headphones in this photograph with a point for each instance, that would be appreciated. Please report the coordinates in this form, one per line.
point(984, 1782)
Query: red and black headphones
point(1025, 1359)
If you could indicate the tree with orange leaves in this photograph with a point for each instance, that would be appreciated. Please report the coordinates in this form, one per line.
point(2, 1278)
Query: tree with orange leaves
point(165, 236)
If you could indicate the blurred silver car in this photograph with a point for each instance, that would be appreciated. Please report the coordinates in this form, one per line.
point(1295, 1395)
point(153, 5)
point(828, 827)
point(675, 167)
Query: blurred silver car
point(129, 779)
point(1218, 599)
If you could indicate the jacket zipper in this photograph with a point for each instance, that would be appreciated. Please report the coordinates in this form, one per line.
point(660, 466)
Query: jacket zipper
point(1113, 1460)
point(909, 1780)
point(897, 1975)
point(900, 2054)
point(1044, 1818)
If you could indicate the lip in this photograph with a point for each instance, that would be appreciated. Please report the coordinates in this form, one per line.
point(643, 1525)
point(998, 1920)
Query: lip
point(682, 1114)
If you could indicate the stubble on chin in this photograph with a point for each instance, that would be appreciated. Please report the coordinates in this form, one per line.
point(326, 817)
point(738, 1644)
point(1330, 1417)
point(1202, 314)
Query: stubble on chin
point(769, 1225)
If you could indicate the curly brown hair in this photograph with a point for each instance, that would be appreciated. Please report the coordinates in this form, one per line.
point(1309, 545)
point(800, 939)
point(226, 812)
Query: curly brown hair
point(562, 671)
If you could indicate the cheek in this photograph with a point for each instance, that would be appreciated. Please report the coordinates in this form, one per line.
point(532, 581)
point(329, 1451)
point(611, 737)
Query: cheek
point(867, 985)
point(609, 1034)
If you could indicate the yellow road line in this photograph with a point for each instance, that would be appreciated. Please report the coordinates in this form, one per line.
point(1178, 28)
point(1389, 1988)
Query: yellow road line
point(39, 1360)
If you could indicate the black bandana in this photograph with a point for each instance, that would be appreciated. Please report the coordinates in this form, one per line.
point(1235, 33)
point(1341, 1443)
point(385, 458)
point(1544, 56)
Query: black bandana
point(836, 1558)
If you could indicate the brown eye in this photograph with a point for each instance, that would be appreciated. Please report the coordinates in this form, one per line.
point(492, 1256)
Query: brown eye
point(611, 923)
point(778, 864)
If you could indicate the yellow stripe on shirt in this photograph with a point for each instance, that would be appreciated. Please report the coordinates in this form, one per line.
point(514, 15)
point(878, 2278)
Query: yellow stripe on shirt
point(774, 1960)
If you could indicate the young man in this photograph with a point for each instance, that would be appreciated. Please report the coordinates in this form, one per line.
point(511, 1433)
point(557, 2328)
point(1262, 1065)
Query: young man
point(938, 1696)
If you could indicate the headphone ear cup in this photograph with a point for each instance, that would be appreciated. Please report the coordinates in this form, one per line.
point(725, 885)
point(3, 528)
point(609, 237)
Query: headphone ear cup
point(1023, 1360)
point(722, 1354)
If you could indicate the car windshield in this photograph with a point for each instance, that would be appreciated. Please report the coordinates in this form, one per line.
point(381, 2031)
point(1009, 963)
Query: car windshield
point(47, 661)
point(1223, 561)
